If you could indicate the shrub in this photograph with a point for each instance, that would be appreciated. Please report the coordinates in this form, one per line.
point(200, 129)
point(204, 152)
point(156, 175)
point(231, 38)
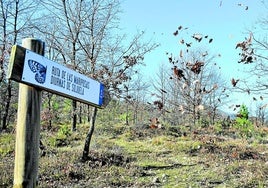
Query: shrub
point(64, 131)
point(243, 124)
point(62, 138)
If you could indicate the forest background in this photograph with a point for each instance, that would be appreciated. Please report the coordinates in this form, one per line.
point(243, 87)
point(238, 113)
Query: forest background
point(188, 80)
point(168, 79)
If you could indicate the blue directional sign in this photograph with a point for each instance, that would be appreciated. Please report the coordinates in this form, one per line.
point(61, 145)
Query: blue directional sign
point(43, 73)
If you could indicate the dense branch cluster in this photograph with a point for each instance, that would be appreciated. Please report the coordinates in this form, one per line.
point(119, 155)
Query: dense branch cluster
point(191, 82)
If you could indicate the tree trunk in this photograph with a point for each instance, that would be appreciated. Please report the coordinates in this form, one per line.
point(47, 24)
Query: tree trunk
point(213, 115)
point(7, 105)
point(88, 112)
point(89, 134)
point(74, 115)
point(49, 111)
point(127, 115)
point(80, 114)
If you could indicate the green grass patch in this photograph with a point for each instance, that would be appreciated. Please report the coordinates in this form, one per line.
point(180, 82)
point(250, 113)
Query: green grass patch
point(7, 144)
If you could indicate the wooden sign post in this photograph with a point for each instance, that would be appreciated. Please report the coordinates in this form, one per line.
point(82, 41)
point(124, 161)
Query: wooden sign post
point(28, 128)
point(35, 73)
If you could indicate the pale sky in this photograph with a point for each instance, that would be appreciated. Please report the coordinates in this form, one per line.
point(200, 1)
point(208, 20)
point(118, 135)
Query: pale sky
point(225, 21)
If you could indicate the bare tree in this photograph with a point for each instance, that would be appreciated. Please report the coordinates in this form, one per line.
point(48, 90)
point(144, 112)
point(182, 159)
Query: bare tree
point(193, 89)
point(190, 77)
point(162, 94)
point(5, 48)
point(260, 114)
point(252, 51)
point(17, 18)
point(135, 97)
point(217, 99)
point(253, 55)
point(84, 36)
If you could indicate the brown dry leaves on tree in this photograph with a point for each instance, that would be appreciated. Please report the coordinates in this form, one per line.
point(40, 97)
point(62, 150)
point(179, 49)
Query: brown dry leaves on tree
point(195, 67)
point(247, 52)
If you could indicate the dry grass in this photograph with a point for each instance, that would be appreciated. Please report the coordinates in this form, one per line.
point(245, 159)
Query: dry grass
point(141, 157)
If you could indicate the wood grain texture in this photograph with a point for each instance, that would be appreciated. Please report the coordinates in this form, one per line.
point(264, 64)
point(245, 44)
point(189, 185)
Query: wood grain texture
point(28, 126)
